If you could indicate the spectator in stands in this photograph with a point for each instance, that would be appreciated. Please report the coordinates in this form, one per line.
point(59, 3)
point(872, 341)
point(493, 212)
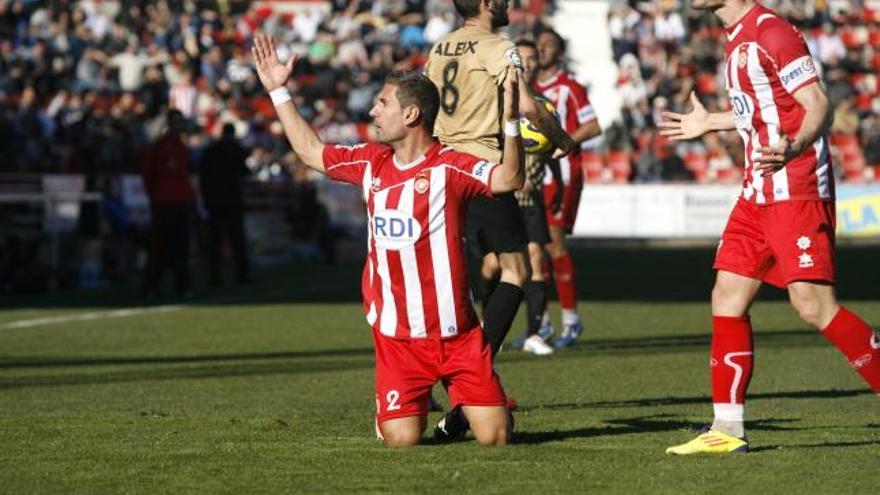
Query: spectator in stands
point(165, 172)
point(221, 173)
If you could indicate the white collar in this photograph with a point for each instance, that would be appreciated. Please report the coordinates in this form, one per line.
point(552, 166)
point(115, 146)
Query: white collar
point(407, 166)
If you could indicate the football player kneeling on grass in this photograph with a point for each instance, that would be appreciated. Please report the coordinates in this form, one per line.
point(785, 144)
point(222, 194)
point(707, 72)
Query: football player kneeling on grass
point(415, 287)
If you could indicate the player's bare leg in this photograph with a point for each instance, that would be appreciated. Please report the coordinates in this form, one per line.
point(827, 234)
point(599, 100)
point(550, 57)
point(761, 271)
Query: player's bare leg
point(564, 275)
point(733, 294)
point(732, 352)
point(491, 425)
point(490, 272)
point(731, 365)
point(403, 432)
point(817, 306)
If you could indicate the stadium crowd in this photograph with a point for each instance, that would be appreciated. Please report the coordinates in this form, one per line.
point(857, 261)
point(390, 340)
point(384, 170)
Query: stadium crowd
point(664, 52)
point(84, 85)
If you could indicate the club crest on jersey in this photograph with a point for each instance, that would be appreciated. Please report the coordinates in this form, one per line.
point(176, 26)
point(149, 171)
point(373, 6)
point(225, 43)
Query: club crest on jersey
point(743, 59)
point(421, 185)
point(394, 230)
point(375, 184)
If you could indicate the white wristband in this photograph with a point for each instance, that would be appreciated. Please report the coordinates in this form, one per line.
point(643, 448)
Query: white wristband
point(279, 96)
point(511, 128)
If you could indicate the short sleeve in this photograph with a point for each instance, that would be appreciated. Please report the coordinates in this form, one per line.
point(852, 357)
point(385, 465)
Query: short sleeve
point(348, 163)
point(584, 109)
point(469, 175)
point(789, 53)
point(498, 54)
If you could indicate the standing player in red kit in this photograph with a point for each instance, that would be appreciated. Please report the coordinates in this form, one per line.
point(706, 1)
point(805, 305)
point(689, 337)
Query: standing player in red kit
point(415, 285)
point(781, 230)
point(578, 119)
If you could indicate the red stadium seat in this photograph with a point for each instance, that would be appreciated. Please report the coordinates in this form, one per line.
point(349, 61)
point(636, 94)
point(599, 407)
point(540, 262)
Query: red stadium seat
point(844, 140)
point(362, 128)
point(696, 161)
point(874, 37)
point(621, 166)
point(592, 165)
point(707, 83)
point(732, 175)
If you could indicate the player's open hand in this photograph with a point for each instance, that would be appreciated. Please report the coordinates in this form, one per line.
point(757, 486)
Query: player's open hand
point(769, 159)
point(272, 73)
point(682, 126)
point(511, 94)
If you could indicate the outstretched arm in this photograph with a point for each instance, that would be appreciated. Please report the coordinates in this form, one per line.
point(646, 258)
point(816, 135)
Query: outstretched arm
point(274, 75)
point(682, 126)
point(510, 175)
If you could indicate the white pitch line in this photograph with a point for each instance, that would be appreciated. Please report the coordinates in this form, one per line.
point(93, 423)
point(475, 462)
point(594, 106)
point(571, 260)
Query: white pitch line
point(95, 315)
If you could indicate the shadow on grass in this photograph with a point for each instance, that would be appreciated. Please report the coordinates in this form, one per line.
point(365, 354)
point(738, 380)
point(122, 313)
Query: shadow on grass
point(700, 399)
point(263, 363)
point(626, 426)
point(770, 448)
point(190, 370)
point(664, 423)
point(672, 343)
point(37, 362)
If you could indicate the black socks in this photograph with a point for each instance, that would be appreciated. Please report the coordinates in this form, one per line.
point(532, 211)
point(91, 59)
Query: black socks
point(499, 312)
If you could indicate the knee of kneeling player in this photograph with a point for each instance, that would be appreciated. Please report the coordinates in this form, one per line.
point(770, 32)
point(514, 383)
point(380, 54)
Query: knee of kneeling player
point(401, 437)
point(496, 436)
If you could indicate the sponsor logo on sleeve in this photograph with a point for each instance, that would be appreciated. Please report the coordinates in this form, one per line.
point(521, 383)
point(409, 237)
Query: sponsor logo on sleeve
point(350, 147)
point(481, 170)
point(797, 72)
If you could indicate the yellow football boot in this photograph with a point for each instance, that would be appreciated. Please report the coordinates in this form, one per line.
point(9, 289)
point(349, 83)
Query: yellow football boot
point(711, 442)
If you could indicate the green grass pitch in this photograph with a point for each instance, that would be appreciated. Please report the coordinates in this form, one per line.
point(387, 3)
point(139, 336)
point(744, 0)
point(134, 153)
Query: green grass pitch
point(255, 391)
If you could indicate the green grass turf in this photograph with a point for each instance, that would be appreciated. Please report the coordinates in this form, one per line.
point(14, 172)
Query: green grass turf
point(244, 391)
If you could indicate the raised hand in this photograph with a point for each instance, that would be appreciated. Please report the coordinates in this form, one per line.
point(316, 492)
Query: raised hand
point(511, 94)
point(682, 126)
point(272, 73)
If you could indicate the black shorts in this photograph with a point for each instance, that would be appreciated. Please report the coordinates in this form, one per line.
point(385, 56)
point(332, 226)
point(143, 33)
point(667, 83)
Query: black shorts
point(495, 225)
point(537, 229)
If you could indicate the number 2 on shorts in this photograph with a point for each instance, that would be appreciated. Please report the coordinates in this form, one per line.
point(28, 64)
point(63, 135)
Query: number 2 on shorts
point(391, 398)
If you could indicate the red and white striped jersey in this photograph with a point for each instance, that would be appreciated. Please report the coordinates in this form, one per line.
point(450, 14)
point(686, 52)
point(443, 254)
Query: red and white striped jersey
point(767, 63)
point(415, 283)
point(574, 109)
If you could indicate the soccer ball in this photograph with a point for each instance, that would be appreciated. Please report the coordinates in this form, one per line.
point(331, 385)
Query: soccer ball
point(534, 142)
